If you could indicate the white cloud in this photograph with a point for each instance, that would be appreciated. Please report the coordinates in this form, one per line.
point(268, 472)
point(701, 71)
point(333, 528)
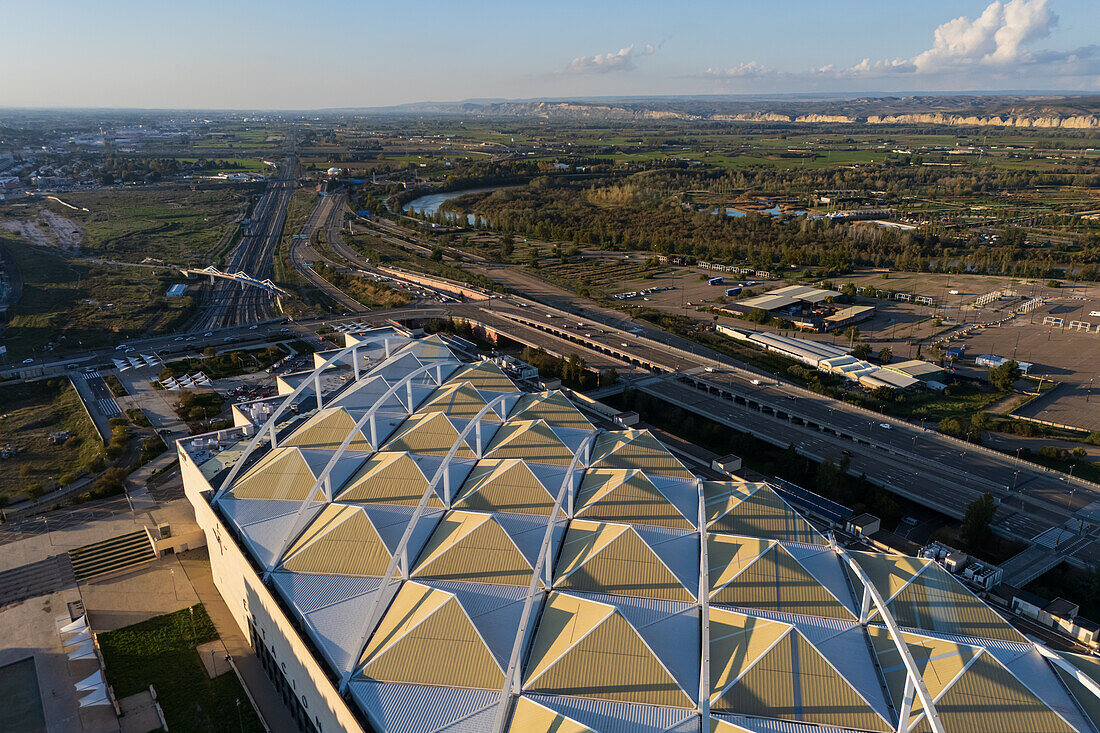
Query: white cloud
point(995, 38)
point(749, 70)
point(621, 60)
point(996, 44)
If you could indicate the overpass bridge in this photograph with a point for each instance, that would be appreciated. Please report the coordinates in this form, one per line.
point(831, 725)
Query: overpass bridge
point(241, 277)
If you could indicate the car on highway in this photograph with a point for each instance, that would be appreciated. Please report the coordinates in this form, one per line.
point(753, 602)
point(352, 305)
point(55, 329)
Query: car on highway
point(755, 381)
point(191, 338)
point(253, 328)
point(208, 334)
point(28, 361)
point(178, 338)
point(884, 425)
point(846, 452)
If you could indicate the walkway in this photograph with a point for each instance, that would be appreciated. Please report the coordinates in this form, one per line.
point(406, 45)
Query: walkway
point(265, 697)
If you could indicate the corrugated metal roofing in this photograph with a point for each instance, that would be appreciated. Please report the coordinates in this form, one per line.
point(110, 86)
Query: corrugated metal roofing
point(937, 602)
point(613, 558)
point(340, 541)
point(512, 485)
point(426, 623)
point(616, 646)
point(754, 510)
point(474, 547)
point(531, 440)
point(530, 716)
point(328, 429)
point(589, 649)
point(630, 495)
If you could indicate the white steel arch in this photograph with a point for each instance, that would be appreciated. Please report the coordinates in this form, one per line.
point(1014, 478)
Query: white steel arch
point(914, 683)
point(381, 601)
point(324, 479)
point(511, 675)
point(269, 426)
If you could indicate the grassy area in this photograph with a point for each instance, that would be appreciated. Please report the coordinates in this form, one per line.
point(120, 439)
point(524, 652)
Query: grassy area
point(958, 401)
point(174, 223)
point(31, 412)
point(161, 652)
point(77, 304)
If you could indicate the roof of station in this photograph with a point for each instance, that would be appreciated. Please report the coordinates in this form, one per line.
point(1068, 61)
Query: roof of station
point(600, 604)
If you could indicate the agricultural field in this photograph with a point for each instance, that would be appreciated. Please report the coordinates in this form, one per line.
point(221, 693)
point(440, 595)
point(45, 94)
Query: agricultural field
point(29, 414)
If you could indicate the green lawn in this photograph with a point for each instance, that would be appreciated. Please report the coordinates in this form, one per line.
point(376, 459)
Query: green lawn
point(161, 652)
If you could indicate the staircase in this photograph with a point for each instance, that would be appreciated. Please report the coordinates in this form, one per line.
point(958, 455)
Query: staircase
point(109, 556)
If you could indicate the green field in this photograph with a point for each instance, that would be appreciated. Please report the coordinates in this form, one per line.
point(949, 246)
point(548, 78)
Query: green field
point(176, 224)
point(76, 304)
point(161, 652)
point(30, 413)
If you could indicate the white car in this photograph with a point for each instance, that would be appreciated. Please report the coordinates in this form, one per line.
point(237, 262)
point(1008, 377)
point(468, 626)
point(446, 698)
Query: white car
point(884, 425)
point(253, 328)
point(28, 361)
point(756, 382)
point(178, 338)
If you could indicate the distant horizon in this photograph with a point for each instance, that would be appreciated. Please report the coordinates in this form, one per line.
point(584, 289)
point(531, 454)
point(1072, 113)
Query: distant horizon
point(279, 56)
point(808, 96)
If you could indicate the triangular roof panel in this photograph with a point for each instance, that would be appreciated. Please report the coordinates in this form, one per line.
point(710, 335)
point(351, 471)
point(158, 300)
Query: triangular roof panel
point(328, 428)
point(531, 440)
point(426, 623)
point(754, 509)
point(513, 485)
point(615, 559)
point(485, 376)
point(792, 680)
point(636, 449)
point(473, 547)
point(629, 495)
point(589, 649)
point(459, 400)
point(553, 407)
point(342, 540)
point(532, 717)
point(935, 601)
point(282, 473)
point(434, 434)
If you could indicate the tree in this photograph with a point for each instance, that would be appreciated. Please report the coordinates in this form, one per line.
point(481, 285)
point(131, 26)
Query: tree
point(885, 355)
point(861, 351)
point(849, 289)
point(976, 521)
point(1004, 376)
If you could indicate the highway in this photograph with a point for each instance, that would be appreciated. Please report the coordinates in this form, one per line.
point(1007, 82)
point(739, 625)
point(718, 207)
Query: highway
point(328, 216)
point(227, 303)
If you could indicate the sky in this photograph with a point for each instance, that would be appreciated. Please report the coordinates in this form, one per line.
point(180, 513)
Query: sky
point(242, 54)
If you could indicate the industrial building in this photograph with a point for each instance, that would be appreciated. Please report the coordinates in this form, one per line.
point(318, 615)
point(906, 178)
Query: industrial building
point(829, 358)
point(810, 309)
point(425, 547)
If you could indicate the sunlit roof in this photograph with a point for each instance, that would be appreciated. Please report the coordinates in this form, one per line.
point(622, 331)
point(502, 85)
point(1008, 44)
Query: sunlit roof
point(599, 607)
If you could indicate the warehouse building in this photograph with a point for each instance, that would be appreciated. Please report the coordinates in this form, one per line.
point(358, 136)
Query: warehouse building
point(426, 547)
point(810, 309)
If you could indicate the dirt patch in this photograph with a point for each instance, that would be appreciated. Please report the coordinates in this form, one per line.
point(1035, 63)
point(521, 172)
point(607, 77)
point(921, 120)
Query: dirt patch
point(48, 230)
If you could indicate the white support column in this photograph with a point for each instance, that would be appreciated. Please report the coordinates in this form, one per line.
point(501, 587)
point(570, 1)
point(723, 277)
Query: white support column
point(704, 611)
point(317, 387)
point(865, 609)
point(274, 444)
point(373, 430)
point(355, 360)
point(477, 439)
point(906, 704)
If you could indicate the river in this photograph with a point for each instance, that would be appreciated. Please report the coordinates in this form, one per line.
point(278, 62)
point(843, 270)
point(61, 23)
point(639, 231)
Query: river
point(430, 204)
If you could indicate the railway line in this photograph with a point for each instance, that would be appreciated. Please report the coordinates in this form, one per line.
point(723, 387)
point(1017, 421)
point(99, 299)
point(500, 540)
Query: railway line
point(227, 304)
